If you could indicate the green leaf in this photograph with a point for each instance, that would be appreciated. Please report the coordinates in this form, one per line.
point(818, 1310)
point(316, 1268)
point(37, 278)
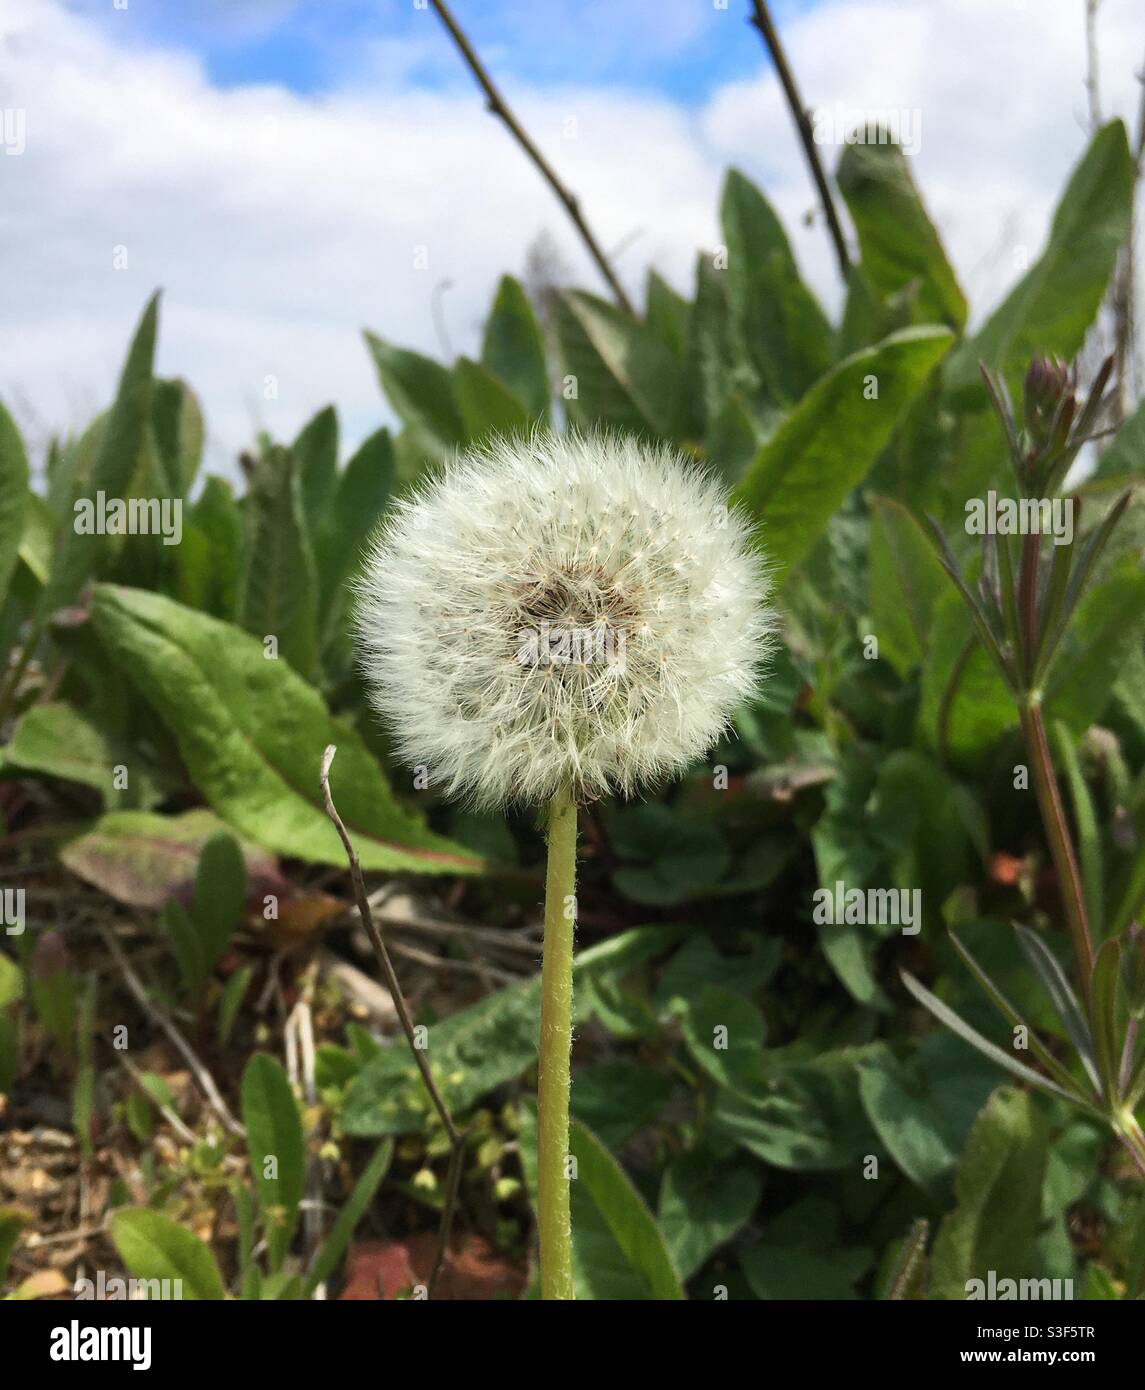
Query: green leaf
point(177, 422)
point(618, 1251)
point(725, 1034)
point(152, 1246)
point(220, 893)
point(479, 1048)
point(716, 362)
point(121, 441)
point(1054, 303)
point(905, 582)
point(277, 1150)
point(216, 574)
point(487, 407)
point(1056, 984)
point(334, 1246)
point(278, 592)
point(252, 732)
point(703, 1204)
point(1103, 1015)
point(230, 1001)
point(828, 443)
point(363, 490)
point(187, 946)
point(315, 455)
point(899, 243)
point(1005, 1060)
point(628, 1219)
point(1107, 626)
point(787, 335)
point(58, 740)
point(811, 1118)
point(624, 376)
point(421, 391)
point(615, 1099)
point(13, 497)
point(998, 1188)
point(667, 314)
point(513, 349)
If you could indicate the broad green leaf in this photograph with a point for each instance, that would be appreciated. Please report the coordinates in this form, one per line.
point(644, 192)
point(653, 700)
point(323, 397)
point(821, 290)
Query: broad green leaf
point(1108, 624)
point(513, 349)
point(479, 1048)
point(121, 440)
point(787, 335)
point(615, 1099)
point(277, 1150)
point(152, 1246)
point(667, 313)
point(1053, 305)
point(363, 489)
point(828, 443)
point(421, 391)
point(13, 496)
point(905, 580)
point(725, 1034)
point(998, 1188)
point(898, 242)
point(142, 858)
point(334, 1246)
point(810, 1117)
point(487, 406)
point(178, 425)
point(716, 362)
point(703, 1204)
point(1124, 458)
point(251, 732)
point(217, 517)
point(621, 373)
point(58, 740)
point(791, 1274)
point(315, 455)
point(618, 1251)
point(278, 592)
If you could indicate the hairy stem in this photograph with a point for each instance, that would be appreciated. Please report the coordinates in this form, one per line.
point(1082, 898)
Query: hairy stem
point(553, 1217)
point(1057, 833)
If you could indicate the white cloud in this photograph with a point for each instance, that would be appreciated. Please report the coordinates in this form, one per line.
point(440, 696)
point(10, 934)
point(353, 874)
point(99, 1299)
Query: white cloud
point(279, 225)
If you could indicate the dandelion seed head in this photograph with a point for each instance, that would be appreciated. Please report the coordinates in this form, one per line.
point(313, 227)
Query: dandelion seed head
point(561, 609)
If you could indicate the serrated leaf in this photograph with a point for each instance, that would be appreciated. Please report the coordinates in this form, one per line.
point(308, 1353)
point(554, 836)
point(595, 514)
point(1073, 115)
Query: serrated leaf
point(251, 732)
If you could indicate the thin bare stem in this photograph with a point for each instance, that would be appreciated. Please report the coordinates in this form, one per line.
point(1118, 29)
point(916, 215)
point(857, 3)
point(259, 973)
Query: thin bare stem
point(1092, 87)
point(762, 21)
point(496, 104)
point(182, 1046)
point(453, 1175)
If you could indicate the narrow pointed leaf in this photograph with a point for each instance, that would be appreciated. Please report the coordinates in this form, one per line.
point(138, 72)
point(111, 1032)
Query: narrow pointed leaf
point(1057, 986)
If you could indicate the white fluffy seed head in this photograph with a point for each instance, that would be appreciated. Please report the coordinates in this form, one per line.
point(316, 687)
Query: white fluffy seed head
point(561, 609)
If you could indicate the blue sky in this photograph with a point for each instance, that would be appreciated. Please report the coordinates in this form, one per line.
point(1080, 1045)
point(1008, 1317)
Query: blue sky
point(681, 49)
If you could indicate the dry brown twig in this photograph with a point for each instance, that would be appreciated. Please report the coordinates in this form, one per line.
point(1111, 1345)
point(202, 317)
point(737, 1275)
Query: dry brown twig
point(456, 1139)
point(762, 21)
point(182, 1046)
point(496, 104)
